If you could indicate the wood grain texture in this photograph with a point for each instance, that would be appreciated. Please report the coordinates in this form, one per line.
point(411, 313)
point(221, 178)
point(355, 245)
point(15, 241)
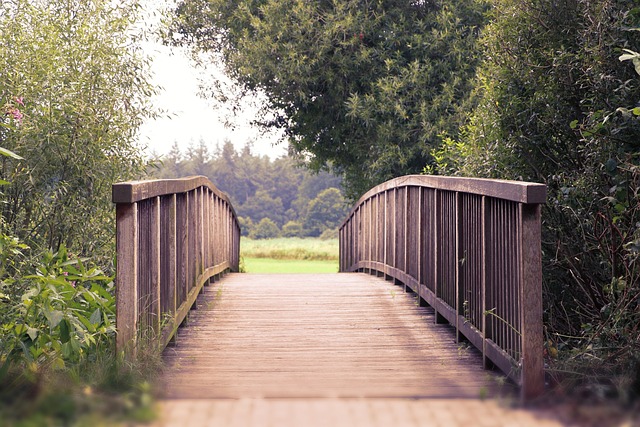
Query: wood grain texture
point(331, 335)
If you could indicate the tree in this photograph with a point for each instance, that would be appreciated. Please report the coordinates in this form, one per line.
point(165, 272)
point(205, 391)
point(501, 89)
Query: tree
point(292, 229)
point(262, 204)
point(325, 212)
point(364, 87)
point(83, 87)
point(265, 229)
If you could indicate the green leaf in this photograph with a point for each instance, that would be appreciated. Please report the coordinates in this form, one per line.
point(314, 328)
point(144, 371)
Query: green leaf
point(65, 331)
point(54, 317)
point(636, 64)
point(573, 124)
point(33, 333)
point(96, 317)
point(8, 153)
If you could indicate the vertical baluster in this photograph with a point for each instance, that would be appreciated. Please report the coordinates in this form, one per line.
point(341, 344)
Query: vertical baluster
point(486, 246)
point(182, 245)
point(168, 282)
point(154, 268)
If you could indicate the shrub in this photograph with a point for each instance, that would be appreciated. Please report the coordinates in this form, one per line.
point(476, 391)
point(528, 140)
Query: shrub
point(266, 229)
point(292, 229)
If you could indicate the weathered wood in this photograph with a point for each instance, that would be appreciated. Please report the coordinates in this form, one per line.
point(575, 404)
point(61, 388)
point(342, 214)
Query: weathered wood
point(462, 248)
point(127, 278)
point(531, 303)
point(168, 248)
point(328, 335)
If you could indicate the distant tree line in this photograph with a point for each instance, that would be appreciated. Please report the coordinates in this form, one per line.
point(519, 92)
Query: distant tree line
point(272, 197)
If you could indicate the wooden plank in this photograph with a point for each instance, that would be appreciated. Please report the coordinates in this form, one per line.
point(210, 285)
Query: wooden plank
point(330, 335)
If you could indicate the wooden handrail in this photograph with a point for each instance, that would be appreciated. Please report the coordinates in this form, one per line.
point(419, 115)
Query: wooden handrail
point(471, 249)
point(172, 237)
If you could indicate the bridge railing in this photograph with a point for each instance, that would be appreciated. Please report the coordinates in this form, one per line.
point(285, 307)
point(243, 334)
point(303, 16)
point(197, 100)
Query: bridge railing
point(471, 249)
point(173, 237)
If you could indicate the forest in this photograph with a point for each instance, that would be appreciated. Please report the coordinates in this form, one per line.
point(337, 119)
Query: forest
point(272, 198)
point(364, 90)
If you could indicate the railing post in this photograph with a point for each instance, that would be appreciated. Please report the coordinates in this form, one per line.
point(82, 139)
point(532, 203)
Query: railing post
point(531, 302)
point(127, 279)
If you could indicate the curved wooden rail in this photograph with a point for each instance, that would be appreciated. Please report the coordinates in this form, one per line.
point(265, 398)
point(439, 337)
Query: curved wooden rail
point(471, 249)
point(173, 237)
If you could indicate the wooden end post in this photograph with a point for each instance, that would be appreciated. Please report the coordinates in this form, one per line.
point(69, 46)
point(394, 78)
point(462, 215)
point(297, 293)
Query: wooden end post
point(531, 303)
point(127, 279)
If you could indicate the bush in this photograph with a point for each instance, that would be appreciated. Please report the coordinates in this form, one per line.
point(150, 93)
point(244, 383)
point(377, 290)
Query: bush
point(266, 229)
point(292, 229)
point(246, 225)
point(329, 234)
point(65, 315)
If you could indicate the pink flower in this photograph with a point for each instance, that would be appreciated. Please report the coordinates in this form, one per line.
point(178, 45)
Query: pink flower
point(16, 114)
point(20, 100)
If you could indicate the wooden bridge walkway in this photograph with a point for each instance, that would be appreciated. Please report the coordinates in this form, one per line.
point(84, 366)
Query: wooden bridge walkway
point(329, 335)
point(327, 350)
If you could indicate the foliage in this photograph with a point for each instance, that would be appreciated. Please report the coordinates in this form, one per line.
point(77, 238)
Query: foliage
point(262, 188)
point(366, 87)
point(73, 92)
point(325, 212)
point(265, 229)
point(557, 105)
point(292, 229)
point(77, 75)
point(57, 329)
point(65, 315)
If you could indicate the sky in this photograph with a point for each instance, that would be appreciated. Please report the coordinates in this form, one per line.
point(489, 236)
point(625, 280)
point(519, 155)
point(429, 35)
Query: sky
point(188, 118)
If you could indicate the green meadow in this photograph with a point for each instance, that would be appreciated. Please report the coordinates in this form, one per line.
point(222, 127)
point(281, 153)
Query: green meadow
point(289, 255)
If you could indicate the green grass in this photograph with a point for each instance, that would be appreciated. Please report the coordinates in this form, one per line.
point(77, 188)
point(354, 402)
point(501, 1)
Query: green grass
point(269, 265)
point(290, 248)
point(289, 255)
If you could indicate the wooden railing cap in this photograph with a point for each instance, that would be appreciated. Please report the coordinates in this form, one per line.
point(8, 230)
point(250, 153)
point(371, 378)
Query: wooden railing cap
point(516, 191)
point(135, 191)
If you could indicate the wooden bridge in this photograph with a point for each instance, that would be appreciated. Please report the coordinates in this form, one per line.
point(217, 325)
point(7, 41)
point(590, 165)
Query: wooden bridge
point(440, 280)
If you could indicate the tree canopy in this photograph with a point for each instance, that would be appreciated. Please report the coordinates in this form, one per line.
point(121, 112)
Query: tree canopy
point(80, 82)
point(294, 200)
point(367, 87)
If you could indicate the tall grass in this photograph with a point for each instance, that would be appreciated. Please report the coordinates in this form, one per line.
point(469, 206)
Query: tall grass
point(290, 248)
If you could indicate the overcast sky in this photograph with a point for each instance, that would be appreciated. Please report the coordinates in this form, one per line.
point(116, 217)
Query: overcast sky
point(191, 117)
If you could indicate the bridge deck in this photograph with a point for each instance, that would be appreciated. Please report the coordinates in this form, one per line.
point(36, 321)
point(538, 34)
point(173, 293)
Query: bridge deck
point(319, 336)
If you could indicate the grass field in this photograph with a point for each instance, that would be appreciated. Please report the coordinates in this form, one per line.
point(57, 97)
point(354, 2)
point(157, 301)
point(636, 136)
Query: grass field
point(269, 265)
point(289, 255)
